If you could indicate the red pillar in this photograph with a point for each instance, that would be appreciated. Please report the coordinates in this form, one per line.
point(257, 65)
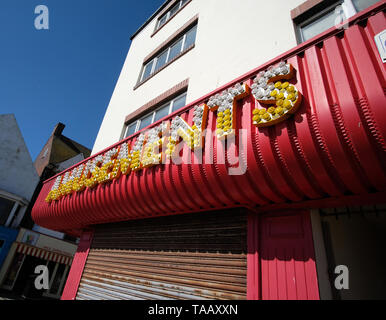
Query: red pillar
point(73, 279)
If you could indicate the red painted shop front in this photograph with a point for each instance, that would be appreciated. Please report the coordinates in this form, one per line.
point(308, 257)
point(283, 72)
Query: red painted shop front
point(325, 149)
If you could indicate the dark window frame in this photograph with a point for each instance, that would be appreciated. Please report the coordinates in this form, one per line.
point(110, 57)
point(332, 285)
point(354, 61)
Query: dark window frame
point(170, 101)
point(167, 47)
point(13, 209)
point(313, 16)
point(168, 16)
point(312, 10)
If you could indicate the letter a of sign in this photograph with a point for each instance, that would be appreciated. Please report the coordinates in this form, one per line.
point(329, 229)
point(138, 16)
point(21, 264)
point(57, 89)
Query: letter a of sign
point(41, 21)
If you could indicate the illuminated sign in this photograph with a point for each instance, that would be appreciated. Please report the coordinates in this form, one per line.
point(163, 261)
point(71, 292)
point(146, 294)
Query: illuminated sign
point(277, 100)
point(278, 97)
point(225, 105)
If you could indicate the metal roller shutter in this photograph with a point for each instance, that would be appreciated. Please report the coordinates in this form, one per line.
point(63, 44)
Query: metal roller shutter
point(192, 256)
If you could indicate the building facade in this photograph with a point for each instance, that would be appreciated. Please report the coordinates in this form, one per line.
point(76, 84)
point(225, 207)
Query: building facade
point(29, 250)
point(242, 156)
point(23, 244)
point(18, 177)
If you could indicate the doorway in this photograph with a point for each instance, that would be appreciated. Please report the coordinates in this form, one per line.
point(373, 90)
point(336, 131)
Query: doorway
point(355, 237)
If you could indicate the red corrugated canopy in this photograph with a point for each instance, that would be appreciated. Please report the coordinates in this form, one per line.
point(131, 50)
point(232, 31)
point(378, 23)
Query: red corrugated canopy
point(333, 147)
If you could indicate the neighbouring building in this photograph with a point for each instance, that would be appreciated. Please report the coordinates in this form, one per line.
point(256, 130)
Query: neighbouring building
point(18, 177)
point(23, 244)
point(58, 154)
point(242, 156)
point(18, 180)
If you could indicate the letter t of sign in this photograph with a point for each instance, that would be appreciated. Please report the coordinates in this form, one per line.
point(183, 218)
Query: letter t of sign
point(225, 105)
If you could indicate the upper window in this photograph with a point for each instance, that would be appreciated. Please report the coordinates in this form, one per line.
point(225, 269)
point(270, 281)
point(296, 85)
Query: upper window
point(363, 4)
point(170, 13)
point(181, 44)
point(333, 15)
point(153, 116)
point(6, 207)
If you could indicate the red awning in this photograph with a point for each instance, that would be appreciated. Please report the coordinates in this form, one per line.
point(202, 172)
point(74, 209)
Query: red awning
point(332, 148)
point(43, 254)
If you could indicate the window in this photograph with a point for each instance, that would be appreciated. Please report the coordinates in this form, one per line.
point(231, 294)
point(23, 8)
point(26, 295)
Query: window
point(12, 208)
point(317, 26)
point(174, 9)
point(131, 129)
point(310, 26)
point(6, 207)
point(161, 60)
point(175, 49)
point(145, 121)
point(162, 21)
point(162, 111)
point(181, 44)
point(178, 103)
point(57, 281)
point(58, 275)
point(363, 4)
point(1, 243)
point(147, 70)
point(190, 38)
point(13, 271)
point(170, 13)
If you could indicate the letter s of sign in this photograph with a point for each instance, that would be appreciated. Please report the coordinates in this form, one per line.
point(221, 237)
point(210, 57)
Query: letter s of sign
point(279, 99)
point(42, 280)
point(341, 281)
point(42, 20)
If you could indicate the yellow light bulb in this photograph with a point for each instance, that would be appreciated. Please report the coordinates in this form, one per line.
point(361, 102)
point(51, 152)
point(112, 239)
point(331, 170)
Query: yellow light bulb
point(287, 104)
point(291, 88)
point(278, 85)
point(279, 110)
point(266, 116)
point(271, 109)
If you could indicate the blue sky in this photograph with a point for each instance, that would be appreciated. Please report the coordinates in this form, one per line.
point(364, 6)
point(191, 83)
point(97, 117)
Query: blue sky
point(67, 73)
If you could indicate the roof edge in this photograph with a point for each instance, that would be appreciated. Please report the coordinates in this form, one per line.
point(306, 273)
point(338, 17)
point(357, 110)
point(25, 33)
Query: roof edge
point(150, 19)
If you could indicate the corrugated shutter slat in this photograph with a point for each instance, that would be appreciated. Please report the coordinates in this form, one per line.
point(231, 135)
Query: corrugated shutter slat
point(192, 256)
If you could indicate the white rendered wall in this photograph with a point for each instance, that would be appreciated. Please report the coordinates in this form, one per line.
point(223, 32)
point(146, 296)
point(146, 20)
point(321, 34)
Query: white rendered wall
point(233, 37)
point(18, 175)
